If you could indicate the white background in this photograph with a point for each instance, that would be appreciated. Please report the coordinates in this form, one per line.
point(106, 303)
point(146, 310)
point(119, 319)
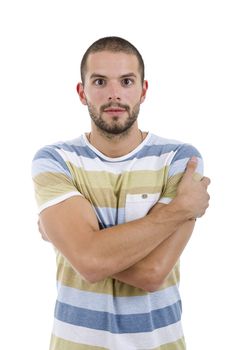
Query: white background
point(187, 48)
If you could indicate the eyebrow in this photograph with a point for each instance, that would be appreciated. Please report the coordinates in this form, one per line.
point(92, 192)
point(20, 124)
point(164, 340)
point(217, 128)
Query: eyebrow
point(95, 75)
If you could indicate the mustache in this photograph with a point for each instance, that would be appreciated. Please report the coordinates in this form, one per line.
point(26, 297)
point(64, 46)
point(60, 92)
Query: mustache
point(114, 105)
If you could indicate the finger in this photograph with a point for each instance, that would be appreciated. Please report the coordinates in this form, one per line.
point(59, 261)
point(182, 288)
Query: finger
point(45, 238)
point(39, 226)
point(40, 229)
point(191, 166)
point(206, 181)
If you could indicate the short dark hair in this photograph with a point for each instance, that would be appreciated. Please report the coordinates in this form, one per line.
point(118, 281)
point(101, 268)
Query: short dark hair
point(112, 44)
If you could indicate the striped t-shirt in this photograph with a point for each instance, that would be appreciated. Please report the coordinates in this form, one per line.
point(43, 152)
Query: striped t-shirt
point(111, 314)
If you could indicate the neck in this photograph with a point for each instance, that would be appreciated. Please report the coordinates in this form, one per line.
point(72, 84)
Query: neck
point(114, 146)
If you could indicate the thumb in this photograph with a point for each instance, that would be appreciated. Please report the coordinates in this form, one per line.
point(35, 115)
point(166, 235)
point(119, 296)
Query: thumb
point(191, 166)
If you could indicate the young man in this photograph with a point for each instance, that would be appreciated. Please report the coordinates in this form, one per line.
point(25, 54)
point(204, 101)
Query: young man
point(119, 205)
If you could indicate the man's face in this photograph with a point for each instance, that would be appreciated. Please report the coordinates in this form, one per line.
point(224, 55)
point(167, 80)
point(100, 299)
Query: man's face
point(113, 90)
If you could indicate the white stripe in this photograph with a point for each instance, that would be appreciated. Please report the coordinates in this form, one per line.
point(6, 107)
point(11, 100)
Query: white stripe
point(127, 341)
point(58, 200)
point(118, 305)
point(180, 165)
point(42, 165)
point(146, 163)
point(122, 158)
point(165, 200)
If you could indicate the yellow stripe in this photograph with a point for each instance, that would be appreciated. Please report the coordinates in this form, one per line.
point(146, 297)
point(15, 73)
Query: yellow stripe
point(106, 190)
point(105, 197)
point(171, 186)
point(67, 276)
point(173, 182)
point(173, 278)
point(51, 185)
point(62, 344)
point(126, 180)
point(178, 345)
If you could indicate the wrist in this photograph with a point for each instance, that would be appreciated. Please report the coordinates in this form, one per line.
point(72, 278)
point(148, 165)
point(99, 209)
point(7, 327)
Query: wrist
point(175, 213)
point(179, 206)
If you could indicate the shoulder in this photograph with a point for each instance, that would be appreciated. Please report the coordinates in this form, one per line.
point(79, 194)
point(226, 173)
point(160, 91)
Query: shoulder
point(177, 153)
point(178, 148)
point(53, 157)
point(58, 148)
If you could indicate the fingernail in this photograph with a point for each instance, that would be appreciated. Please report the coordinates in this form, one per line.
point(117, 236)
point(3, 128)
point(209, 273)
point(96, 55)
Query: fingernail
point(194, 159)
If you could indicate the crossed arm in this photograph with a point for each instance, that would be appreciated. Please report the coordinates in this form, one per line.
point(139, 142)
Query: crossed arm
point(141, 252)
point(150, 272)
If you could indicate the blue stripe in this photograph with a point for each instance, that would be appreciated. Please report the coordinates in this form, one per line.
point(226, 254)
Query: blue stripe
point(48, 165)
point(181, 151)
point(106, 216)
point(136, 323)
point(180, 165)
point(110, 216)
point(50, 154)
point(85, 151)
point(156, 150)
point(185, 151)
point(146, 151)
point(118, 305)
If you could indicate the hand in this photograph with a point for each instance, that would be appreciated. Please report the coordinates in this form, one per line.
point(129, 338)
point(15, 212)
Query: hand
point(42, 231)
point(192, 194)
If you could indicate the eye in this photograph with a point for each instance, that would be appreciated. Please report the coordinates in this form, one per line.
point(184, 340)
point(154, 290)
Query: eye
point(127, 82)
point(99, 82)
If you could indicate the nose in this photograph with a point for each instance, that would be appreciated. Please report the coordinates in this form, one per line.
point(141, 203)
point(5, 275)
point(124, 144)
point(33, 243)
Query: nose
point(114, 92)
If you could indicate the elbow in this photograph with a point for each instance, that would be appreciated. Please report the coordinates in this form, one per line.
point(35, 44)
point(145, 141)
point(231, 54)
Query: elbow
point(153, 286)
point(154, 280)
point(91, 265)
point(93, 276)
point(92, 270)
point(89, 275)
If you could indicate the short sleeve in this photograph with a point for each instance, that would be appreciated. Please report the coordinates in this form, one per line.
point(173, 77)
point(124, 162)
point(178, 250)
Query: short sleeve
point(176, 170)
point(52, 179)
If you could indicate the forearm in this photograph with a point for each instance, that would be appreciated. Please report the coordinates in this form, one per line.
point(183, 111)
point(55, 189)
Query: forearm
point(122, 246)
point(97, 254)
point(150, 272)
point(72, 226)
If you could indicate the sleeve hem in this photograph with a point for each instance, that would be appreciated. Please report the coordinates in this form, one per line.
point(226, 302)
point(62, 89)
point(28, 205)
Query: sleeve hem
point(58, 200)
point(165, 200)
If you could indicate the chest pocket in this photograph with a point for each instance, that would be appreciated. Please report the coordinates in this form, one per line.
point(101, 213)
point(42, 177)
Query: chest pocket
point(138, 205)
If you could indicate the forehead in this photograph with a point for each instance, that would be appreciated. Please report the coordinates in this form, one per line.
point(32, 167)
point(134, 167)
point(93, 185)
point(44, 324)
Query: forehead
point(112, 63)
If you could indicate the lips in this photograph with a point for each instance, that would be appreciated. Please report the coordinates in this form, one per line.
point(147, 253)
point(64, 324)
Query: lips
point(114, 110)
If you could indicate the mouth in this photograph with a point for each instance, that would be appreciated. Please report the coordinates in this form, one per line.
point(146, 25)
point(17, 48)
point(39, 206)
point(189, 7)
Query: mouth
point(114, 110)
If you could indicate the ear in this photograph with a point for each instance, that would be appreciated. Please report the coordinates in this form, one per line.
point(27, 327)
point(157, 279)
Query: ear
point(144, 90)
point(81, 93)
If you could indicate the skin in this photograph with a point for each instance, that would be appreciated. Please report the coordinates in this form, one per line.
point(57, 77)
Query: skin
point(109, 83)
point(141, 252)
